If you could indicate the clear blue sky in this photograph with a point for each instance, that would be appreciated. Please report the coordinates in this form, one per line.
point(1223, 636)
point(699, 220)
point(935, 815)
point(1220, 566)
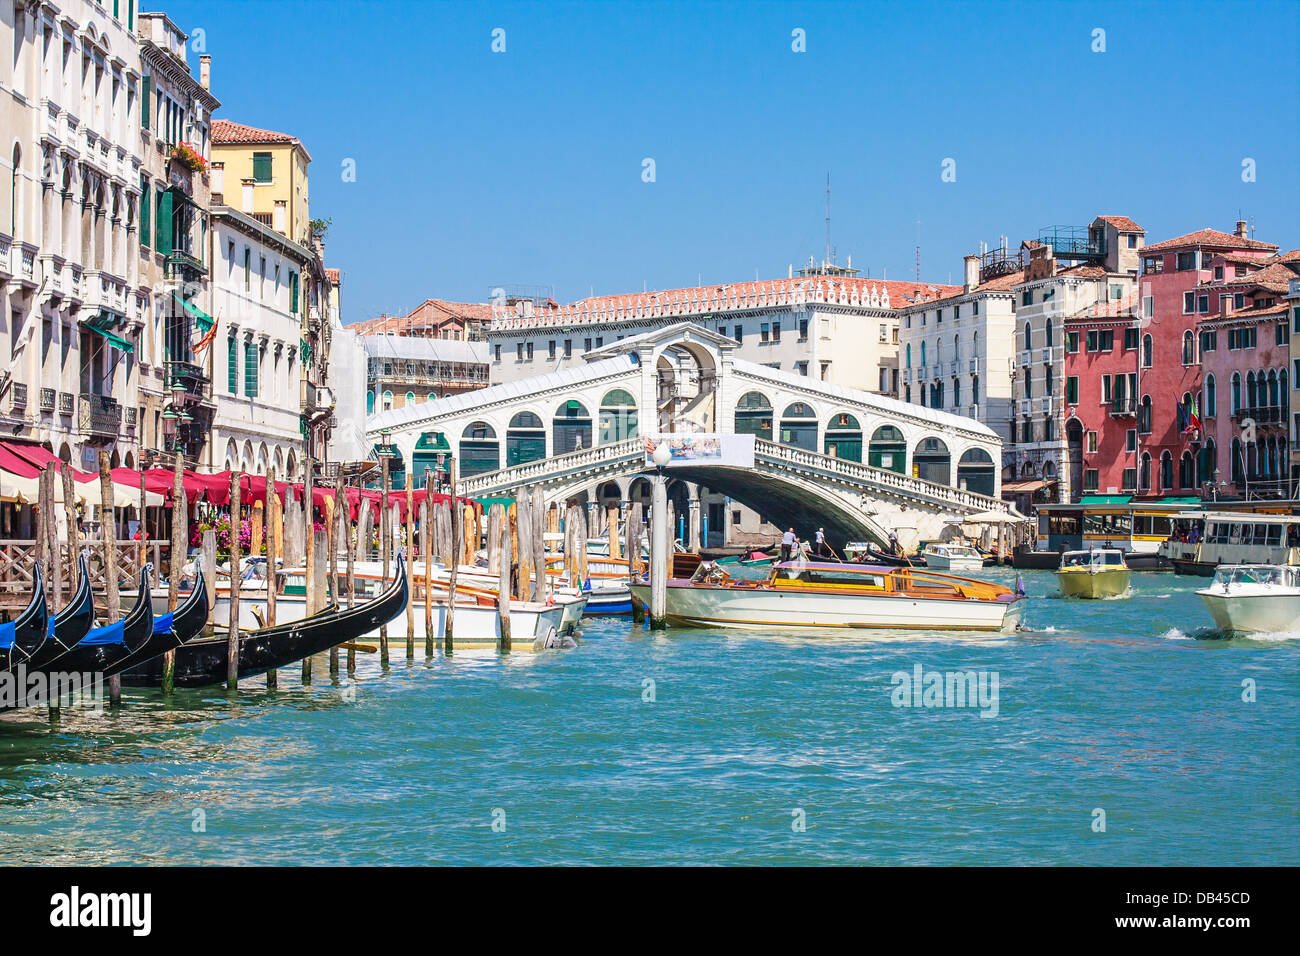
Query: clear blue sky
point(476, 169)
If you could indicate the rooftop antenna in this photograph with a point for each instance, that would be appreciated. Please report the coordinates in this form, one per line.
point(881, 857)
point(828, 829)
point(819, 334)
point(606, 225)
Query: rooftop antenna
point(828, 216)
point(918, 250)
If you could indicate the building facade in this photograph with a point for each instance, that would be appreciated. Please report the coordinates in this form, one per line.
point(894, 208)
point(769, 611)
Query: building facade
point(263, 174)
point(403, 370)
point(73, 304)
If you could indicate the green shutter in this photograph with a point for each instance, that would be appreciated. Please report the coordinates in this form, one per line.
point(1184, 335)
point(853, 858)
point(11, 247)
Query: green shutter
point(262, 167)
point(250, 369)
point(232, 365)
point(145, 83)
point(163, 228)
point(293, 293)
point(146, 210)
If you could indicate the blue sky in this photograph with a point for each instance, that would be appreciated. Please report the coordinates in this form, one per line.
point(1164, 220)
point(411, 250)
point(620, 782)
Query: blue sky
point(477, 169)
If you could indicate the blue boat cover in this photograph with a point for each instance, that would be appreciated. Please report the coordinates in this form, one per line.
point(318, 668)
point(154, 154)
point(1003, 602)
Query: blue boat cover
point(109, 634)
point(162, 623)
point(7, 635)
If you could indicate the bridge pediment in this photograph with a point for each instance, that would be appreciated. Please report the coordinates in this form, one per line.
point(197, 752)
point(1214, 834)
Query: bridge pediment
point(688, 335)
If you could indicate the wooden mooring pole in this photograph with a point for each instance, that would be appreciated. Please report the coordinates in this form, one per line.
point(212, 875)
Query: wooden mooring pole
point(112, 600)
point(176, 557)
point(426, 549)
point(385, 545)
point(232, 632)
point(410, 563)
point(275, 515)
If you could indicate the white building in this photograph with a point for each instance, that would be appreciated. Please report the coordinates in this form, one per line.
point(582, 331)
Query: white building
point(955, 350)
point(72, 300)
point(258, 298)
point(838, 328)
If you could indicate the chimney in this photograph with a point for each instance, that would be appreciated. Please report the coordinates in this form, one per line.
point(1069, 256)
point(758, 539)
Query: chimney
point(1241, 229)
point(1225, 305)
point(205, 71)
point(972, 272)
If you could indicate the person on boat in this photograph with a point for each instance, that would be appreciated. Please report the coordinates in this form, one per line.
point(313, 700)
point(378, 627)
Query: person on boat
point(893, 542)
point(788, 543)
point(821, 542)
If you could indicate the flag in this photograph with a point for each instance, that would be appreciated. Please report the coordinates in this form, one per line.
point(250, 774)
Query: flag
point(204, 342)
point(1195, 418)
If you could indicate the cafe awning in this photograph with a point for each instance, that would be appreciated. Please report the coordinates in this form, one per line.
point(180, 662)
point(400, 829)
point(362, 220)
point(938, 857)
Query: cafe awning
point(1105, 500)
point(202, 320)
point(1026, 487)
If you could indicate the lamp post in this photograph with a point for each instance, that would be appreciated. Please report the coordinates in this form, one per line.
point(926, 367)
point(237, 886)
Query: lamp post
point(659, 538)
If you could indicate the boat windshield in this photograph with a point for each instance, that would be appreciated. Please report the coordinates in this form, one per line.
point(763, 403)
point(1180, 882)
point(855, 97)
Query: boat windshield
point(829, 576)
point(1256, 574)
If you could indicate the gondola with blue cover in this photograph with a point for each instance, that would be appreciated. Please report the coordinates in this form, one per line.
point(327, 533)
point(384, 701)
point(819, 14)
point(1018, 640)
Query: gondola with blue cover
point(104, 647)
point(21, 637)
point(171, 630)
point(71, 624)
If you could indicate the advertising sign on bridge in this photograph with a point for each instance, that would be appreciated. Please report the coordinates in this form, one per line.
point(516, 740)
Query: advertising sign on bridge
point(703, 448)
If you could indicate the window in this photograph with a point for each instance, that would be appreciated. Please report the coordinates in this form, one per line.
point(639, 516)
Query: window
point(1130, 479)
point(1209, 341)
point(1189, 348)
point(1131, 440)
point(293, 293)
point(776, 331)
point(1090, 442)
point(262, 167)
point(803, 331)
point(550, 350)
point(1090, 479)
point(232, 365)
point(1072, 342)
point(1029, 337)
point(1130, 339)
point(1105, 390)
point(1211, 397)
point(1203, 303)
point(1106, 340)
point(1092, 340)
point(1027, 297)
point(1189, 302)
point(568, 349)
point(1166, 471)
point(1148, 350)
point(763, 333)
point(586, 345)
point(1144, 415)
point(248, 269)
point(144, 209)
point(1281, 335)
point(496, 353)
point(1153, 264)
point(530, 351)
point(1218, 273)
point(1072, 390)
point(250, 369)
point(1186, 260)
point(740, 334)
point(1132, 239)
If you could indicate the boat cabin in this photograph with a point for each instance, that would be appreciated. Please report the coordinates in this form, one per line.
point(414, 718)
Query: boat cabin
point(1094, 560)
point(1210, 538)
point(1233, 576)
point(1131, 527)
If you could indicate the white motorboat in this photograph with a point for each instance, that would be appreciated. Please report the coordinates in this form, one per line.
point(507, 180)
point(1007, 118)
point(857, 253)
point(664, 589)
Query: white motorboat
point(572, 600)
point(801, 595)
point(1254, 598)
point(952, 557)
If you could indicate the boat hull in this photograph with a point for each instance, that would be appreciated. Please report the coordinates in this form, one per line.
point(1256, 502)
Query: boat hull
point(1253, 614)
point(760, 609)
point(1094, 585)
point(940, 562)
point(1195, 569)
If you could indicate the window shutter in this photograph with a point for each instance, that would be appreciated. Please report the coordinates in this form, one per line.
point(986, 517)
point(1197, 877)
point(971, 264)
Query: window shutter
point(146, 211)
point(293, 293)
point(262, 167)
point(232, 365)
point(163, 227)
point(145, 83)
point(250, 369)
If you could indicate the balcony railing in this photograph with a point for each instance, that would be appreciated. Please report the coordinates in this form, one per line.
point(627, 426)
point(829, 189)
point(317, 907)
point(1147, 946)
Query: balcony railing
point(188, 379)
point(1262, 414)
point(1123, 407)
point(66, 403)
point(48, 396)
point(184, 265)
point(100, 416)
point(20, 395)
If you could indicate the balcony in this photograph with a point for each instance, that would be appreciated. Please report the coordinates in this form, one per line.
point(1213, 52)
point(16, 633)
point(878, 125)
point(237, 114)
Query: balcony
point(100, 416)
point(974, 366)
point(48, 396)
point(65, 403)
point(19, 395)
point(1261, 414)
point(182, 265)
point(1123, 408)
point(188, 382)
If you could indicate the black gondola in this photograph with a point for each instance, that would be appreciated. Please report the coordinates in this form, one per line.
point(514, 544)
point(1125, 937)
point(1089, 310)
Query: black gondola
point(170, 630)
point(872, 556)
point(103, 647)
point(20, 637)
point(203, 662)
point(71, 624)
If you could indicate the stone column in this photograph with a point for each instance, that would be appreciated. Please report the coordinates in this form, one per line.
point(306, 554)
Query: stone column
point(693, 524)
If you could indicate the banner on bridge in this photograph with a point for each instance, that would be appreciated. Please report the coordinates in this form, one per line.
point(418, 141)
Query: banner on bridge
point(703, 448)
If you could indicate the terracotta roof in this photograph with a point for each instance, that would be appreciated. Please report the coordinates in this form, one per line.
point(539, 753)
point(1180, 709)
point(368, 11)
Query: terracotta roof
point(1292, 256)
point(1241, 315)
point(332, 275)
point(1123, 223)
point(998, 284)
point(1084, 271)
point(1276, 278)
point(1208, 237)
point(227, 133)
point(427, 314)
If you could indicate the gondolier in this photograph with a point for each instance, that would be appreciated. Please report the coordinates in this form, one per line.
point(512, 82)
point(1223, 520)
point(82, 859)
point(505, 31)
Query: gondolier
point(820, 538)
point(788, 542)
point(893, 542)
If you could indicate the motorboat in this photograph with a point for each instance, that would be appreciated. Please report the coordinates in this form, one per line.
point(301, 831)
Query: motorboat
point(816, 595)
point(952, 557)
point(1098, 573)
point(1254, 598)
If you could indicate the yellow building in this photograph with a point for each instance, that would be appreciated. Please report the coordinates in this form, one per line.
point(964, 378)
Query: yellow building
point(263, 174)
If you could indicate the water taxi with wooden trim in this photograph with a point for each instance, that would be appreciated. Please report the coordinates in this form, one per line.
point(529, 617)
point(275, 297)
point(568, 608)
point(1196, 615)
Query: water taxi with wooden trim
point(1254, 598)
point(816, 595)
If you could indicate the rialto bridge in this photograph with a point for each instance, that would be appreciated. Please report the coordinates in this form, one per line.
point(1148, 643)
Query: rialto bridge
point(853, 462)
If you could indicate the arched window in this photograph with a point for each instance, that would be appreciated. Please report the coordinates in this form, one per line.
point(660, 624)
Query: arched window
point(1189, 348)
point(1274, 400)
point(1029, 337)
point(1186, 471)
point(956, 393)
point(1251, 398)
point(975, 471)
point(887, 449)
point(1209, 460)
point(932, 462)
point(1048, 334)
point(1166, 471)
point(1144, 416)
point(956, 348)
point(1211, 397)
point(410, 398)
point(431, 453)
point(388, 400)
point(909, 355)
point(975, 389)
point(923, 362)
point(431, 397)
point(570, 428)
point(754, 415)
point(1236, 392)
point(15, 190)
point(525, 439)
point(1144, 472)
point(844, 437)
point(1148, 351)
point(1238, 461)
point(799, 426)
point(617, 416)
point(370, 409)
point(479, 449)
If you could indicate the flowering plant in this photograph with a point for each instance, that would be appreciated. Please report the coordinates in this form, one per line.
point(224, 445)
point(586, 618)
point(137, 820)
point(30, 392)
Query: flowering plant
point(222, 527)
point(190, 157)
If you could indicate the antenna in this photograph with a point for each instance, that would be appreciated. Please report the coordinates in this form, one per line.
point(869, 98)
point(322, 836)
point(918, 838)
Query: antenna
point(918, 250)
point(828, 216)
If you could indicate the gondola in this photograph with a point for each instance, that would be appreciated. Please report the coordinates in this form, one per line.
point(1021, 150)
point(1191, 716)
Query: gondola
point(20, 637)
point(171, 630)
point(891, 560)
point(71, 624)
point(104, 647)
point(202, 662)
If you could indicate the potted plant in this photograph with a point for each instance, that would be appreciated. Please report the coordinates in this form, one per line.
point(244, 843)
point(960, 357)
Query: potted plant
point(189, 157)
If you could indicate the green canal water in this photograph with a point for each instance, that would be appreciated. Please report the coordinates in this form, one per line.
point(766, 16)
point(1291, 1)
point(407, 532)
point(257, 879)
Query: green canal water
point(696, 746)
